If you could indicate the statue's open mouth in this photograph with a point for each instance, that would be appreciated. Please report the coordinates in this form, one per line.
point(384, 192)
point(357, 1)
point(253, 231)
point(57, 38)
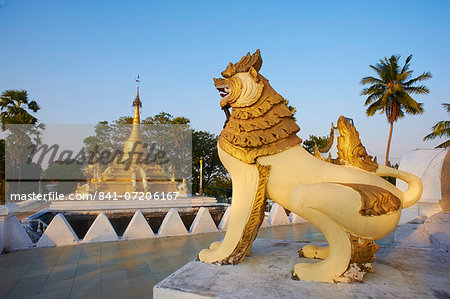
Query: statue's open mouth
point(224, 91)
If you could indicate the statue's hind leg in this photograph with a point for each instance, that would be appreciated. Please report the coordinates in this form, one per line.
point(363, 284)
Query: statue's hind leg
point(316, 203)
point(338, 258)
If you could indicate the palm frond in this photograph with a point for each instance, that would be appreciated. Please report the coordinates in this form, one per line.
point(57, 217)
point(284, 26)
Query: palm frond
point(374, 107)
point(409, 104)
point(406, 66)
point(373, 89)
point(373, 97)
point(424, 76)
point(371, 80)
point(377, 68)
point(422, 89)
point(445, 144)
point(401, 114)
point(442, 128)
point(403, 76)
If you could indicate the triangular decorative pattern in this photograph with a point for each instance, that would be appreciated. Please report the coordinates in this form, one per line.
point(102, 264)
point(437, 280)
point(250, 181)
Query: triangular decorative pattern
point(277, 216)
point(172, 225)
point(294, 218)
point(203, 222)
point(223, 225)
point(15, 235)
point(138, 228)
point(59, 232)
point(265, 222)
point(100, 231)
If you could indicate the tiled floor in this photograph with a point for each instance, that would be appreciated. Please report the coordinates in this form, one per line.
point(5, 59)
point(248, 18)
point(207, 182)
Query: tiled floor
point(124, 269)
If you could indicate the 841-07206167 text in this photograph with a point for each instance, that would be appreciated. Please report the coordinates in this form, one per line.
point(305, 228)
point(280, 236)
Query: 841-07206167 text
point(137, 196)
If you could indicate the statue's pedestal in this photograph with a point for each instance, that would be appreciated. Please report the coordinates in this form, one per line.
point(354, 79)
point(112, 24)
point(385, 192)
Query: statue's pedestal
point(400, 272)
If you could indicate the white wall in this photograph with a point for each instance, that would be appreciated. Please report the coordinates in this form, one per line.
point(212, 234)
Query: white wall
point(427, 165)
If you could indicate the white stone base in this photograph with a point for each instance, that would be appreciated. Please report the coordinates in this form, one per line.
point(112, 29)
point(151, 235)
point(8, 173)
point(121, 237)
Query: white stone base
point(74, 205)
point(400, 272)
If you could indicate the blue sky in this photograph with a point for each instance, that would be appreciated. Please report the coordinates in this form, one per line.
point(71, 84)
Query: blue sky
point(79, 59)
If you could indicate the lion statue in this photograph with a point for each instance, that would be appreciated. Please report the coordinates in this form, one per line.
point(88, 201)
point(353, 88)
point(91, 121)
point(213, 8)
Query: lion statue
point(346, 199)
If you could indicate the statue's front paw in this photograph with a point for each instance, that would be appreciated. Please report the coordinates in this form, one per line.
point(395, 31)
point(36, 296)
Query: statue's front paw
point(299, 271)
point(315, 272)
point(207, 255)
point(215, 245)
point(310, 272)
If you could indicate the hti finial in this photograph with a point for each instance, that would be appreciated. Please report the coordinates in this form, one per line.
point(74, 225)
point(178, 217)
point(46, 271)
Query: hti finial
point(137, 81)
point(137, 101)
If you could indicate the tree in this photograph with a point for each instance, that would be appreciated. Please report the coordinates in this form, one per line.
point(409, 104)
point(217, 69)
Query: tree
point(164, 118)
point(16, 108)
point(390, 92)
point(220, 187)
point(65, 174)
point(2, 171)
point(291, 108)
point(204, 144)
point(441, 129)
point(170, 132)
point(309, 143)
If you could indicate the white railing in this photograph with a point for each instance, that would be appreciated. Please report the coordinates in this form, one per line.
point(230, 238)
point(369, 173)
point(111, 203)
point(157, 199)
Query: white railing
point(59, 232)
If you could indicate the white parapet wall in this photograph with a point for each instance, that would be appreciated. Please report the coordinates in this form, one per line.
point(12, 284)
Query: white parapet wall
point(60, 233)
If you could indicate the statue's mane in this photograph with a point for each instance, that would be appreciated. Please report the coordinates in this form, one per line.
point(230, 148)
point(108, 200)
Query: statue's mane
point(264, 128)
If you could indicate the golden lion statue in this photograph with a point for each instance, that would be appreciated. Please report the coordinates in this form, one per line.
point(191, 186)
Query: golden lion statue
point(347, 200)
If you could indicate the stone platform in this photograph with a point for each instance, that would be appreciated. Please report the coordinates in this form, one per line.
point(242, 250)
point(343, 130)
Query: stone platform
point(400, 272)
point(438, 227)
point(426, 232)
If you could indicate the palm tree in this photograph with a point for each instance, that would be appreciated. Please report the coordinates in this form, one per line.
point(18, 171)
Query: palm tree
point(441, 129)
point(16, 108)
point(390, 92)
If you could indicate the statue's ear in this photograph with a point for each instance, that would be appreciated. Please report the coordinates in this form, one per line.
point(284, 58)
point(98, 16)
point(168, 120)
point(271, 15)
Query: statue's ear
point(253, 73)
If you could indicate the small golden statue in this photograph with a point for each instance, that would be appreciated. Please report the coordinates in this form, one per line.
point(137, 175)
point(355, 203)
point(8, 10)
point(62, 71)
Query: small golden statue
point(346, 199)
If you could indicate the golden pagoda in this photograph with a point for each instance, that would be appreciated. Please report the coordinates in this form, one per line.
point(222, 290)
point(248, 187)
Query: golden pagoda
point(133, 176)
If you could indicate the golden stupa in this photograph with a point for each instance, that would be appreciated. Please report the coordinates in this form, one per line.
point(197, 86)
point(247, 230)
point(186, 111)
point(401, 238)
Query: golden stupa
point(137, 176)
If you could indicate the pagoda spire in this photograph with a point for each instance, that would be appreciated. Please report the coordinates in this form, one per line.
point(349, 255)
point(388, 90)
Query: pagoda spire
point(137, 104)
point(135, 135)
